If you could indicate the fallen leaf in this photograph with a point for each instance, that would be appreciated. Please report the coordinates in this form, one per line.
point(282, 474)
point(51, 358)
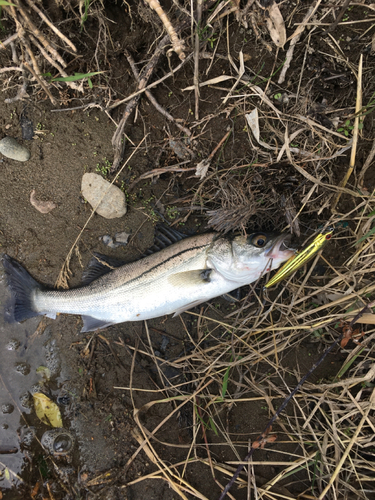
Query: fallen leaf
point(276, 26)
point(35, 490)
point(47, 411)
point(44, 372)
point(253, 122)
point(202, 168)
point(43, 207)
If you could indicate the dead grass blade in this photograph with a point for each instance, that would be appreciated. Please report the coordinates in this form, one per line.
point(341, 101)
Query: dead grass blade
point(64, 274)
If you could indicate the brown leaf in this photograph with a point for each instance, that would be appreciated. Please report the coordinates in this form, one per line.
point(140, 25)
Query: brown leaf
point(43, 207)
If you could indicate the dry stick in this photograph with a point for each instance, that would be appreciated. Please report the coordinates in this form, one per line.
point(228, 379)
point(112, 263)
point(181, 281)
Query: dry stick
point(145, 76)
point(177, 44)
point(196, 57)
point(31, 26)
point(366, 165)
point(152, 98)
point(295, 37)
point(61, 279)
point(50, 59)
point(151, 86)
point(36, 72)
point(161, 170)
point(133, 100)
point(358, 107)
point(10, 68)
point(350, 445)
point(291, 395)
point(8, 41)
point(41, 83)
point(339, 17)
point(51, 25)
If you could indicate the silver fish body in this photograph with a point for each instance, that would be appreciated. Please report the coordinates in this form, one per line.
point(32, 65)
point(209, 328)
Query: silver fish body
point(173, 280)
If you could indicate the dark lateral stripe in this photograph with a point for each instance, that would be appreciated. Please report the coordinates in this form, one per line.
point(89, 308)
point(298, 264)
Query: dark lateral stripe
point(165, 262)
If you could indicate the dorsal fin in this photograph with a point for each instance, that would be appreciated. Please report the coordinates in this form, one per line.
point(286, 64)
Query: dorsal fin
point(164, 237)
point(100, 265)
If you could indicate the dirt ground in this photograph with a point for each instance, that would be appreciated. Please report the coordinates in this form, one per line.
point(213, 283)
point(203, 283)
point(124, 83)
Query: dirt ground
point(132, 395)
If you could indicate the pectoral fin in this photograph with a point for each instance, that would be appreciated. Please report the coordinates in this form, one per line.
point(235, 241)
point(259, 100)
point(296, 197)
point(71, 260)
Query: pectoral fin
point(191, 278)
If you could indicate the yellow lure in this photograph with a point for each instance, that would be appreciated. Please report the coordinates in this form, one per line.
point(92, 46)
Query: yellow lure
point(301, 257)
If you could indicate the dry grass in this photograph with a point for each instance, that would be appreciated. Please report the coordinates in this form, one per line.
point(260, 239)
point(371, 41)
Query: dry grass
point(325, 438)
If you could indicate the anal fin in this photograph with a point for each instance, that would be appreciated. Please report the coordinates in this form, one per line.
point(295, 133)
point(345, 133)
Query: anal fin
point(91, 324)
point(188, 306)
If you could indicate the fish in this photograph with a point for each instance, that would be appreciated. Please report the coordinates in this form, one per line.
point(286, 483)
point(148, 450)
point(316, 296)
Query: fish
point(183, 275)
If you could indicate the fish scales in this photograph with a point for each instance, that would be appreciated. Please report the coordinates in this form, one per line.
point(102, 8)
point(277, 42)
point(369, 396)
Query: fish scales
point(172, 280)
point(133, 288)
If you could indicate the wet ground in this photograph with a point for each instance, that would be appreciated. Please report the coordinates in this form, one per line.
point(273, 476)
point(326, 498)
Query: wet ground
point(105, 383)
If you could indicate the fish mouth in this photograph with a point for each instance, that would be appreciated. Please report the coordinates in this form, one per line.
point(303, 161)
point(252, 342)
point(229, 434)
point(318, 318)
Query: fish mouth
point(281, 248)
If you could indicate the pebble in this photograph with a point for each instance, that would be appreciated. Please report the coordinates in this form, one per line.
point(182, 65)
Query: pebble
point(10, 148)
point(94, 188)
point(120, 239)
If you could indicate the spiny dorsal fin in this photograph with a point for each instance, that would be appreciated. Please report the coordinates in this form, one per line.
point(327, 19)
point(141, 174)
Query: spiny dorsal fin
point(100, 265)
point(164, 237)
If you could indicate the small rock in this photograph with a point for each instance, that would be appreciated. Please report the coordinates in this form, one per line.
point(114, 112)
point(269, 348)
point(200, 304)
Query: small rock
point(94, 188)
point(10, 148)
point(108, 240)
point(120, 239)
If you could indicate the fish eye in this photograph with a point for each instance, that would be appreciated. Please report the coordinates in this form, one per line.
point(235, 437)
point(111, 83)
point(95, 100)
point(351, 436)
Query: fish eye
point(259, 240)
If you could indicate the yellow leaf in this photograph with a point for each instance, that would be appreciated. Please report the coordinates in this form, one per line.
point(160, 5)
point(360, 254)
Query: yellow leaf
point(47, 411)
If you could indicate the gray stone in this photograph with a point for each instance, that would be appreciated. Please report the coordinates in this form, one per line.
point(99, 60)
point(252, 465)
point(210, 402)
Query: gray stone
point(94, 188)
point(10, 148)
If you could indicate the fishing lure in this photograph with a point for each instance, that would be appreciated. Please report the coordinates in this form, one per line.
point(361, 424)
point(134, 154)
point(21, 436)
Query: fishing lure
point(301, 257)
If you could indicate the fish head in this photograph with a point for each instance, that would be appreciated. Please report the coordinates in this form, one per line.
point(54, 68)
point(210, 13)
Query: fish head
point(251, 256)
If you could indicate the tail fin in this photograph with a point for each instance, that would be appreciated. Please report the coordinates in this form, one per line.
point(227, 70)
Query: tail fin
point(21, 285)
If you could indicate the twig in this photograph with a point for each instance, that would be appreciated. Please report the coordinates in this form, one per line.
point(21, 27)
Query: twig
point(117, 138)
point(152, 98)
point(294, 39)
point(64, 272)
point(10, 68)
point(358, 107)
point(177, 44)
point(133, 100)
point(161, 170)
point(41, 83)
point(203, 166)
point(151, 86)
point(366, 165)
point(50, 59)
point(353, 440)
point(52, 26)
point(339, 17)
point(39, 35)
point(196, 57)
point(286, 401)
point(8, 40)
